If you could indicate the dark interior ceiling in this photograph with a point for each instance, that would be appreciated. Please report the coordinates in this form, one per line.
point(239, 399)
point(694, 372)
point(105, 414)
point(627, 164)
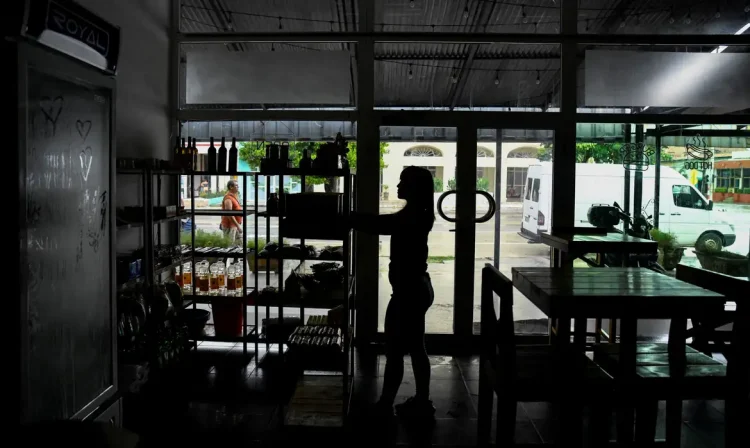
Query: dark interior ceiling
point(458, 75)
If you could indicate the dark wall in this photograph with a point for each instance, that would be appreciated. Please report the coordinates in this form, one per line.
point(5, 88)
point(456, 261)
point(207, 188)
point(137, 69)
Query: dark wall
point(143, 126)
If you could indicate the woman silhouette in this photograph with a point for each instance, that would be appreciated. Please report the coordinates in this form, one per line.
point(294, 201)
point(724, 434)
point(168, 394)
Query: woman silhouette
point(412, 290)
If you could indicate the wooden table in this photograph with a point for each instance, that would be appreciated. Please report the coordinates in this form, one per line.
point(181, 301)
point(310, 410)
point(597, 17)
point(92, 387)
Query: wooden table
point(577, 245)
point(625, 293)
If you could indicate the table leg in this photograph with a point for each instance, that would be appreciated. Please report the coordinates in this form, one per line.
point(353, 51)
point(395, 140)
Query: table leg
point(625, 417)
point(598, 330)
point(579, 335)
point(563, 331)
point(612, 331)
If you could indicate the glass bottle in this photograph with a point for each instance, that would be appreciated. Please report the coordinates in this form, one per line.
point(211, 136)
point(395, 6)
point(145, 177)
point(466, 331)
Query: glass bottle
point(239, 281)
point(231, 280)
point(222, 162)
point(202, 286)
point(213, 282)
point(187, 278)
point(212, 157)
point(178, 277)
point(189, 155)
point(233, 153)
point(222, 273)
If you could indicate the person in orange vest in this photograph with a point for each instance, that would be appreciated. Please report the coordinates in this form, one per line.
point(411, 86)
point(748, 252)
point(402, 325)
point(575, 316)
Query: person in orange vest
point(232, 225)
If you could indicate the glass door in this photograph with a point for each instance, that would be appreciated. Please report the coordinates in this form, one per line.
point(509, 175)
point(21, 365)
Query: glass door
point(515, 167)
point(432, 148)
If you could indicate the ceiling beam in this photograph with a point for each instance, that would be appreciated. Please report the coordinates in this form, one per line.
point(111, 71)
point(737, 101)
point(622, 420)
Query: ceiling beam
point(615, 18)
point(221, 22)
point(463, 76)
point(477, 57)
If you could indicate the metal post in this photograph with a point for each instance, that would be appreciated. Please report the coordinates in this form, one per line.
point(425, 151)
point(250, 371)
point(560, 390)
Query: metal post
point(657, 176)
point(563, 168)
point(638, 187)
point(498, 193)
point(368, 177)
point(466, 181)
point(626, 199)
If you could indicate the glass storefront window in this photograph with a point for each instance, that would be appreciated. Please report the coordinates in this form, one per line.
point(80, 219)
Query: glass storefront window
point(701, 179)
point(669, 80)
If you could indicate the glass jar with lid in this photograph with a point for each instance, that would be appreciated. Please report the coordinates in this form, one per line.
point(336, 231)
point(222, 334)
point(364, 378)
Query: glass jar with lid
point(239, 280)
point(202, 277)
point(213, 281)
point(187, 278)
point(231, 280)
point(222, 273)
point(178, 277)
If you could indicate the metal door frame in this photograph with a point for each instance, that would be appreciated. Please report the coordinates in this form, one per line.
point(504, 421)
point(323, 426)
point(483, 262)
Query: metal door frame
point(467, 127)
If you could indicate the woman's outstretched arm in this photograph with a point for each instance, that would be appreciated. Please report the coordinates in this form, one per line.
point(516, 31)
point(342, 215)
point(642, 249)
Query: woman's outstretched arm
point(374, 224)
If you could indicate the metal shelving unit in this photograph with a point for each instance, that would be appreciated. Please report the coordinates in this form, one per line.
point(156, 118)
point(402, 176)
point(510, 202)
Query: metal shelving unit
point(303, 231)
point(148, 175)
point(265, 276)
point(249, 332)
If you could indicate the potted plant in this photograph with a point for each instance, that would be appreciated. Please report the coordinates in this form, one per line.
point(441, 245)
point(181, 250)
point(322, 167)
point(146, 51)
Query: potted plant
point(744, 196)
point(669, 254)
point(385, 192)
point(724, 262)
point(718, 195)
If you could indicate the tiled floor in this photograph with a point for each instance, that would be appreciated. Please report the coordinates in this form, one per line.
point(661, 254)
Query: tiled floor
point(225, 397)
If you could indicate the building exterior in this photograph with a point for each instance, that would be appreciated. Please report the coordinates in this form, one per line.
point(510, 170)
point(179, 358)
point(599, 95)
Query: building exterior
point(440, 159)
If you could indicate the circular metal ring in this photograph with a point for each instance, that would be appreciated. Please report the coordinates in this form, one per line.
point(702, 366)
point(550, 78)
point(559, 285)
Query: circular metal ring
point(440, 205)
point(487, 216)
point(491, 212)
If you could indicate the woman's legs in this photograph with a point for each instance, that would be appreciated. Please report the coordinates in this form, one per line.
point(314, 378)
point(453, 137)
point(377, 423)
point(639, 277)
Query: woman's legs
point(394, 353)
point(419, 360)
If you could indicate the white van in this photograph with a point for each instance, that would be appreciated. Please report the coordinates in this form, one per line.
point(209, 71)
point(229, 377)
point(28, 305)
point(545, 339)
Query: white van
point(683, 210)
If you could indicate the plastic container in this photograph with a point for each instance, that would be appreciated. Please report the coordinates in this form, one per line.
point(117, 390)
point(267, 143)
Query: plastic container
point(227, 318)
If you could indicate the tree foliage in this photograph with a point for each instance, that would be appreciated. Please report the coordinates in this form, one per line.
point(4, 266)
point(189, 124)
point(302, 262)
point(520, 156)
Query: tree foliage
point(600, 152)
point(253, 152)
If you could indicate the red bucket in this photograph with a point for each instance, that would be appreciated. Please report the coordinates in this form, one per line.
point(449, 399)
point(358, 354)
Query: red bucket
point(227, 318)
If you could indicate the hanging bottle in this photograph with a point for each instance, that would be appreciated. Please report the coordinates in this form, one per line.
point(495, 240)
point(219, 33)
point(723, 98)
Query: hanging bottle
point(222, 168)
point(233, 153)
point(211, 157)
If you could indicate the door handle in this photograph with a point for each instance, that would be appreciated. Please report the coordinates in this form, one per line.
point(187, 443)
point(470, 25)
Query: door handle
point(487, 216)
point(662, 214)
point(676, 214)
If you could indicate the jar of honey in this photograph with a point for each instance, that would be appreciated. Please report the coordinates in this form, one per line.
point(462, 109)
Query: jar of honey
point(231, 280)
point(202, 286)
point(178, 277)
point(213, 281)
point(222, 276)
point(187, 278)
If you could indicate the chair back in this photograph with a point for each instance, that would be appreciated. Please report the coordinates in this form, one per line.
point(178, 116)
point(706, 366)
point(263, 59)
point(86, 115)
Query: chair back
point(497, 332)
